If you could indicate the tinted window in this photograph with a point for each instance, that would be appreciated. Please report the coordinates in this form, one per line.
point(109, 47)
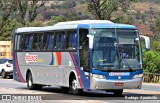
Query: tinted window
point(17, 42)
point(48, 41)
point(10, 61)
point(27, 42)
point(60, 40)
point(3, 61)
point(54, 41)
point(67, 41)
point(71, 40)
point(38, 41)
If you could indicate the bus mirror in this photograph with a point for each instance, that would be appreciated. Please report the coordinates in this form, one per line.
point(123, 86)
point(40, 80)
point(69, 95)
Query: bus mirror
point(91, 37)
point(147, 42)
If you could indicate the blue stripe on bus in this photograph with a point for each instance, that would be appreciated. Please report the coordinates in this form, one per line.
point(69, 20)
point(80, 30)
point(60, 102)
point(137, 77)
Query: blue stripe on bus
point(52, 61)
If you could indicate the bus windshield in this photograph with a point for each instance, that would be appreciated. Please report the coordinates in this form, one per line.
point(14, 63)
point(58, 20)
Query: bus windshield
point(116, 49)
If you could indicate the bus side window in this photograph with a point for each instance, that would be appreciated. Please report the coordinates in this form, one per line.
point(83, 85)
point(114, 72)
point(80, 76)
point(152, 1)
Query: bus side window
point(27, 45)
point(58, 40)
point(37, 42)
point(30, 40)
point(40, 42)
point(70, 40)
point(23, 42)
point(44, 41)
point(62, 41)
point(18, 42)
point(54, 41)
point(50, 41)
point(35, 37)
point(67, 41)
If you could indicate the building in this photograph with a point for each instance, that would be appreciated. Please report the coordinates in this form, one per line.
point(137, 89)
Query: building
point(5, 49)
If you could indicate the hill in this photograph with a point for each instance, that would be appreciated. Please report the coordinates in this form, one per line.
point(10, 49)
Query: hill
point(155, 1)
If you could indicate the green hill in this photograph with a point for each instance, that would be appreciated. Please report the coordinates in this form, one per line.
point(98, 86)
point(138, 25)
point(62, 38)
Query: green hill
point(156, 1)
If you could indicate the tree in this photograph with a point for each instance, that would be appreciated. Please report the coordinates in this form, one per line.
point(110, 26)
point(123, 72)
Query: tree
point(27, 10)
point(14, 11)
point(69, 4)
point(35, 5)
point(8, 30)
point(74, 16)
point(22, 6)
point(151, 59)
point(151, 62)
point(155, 27)
point(7, 9)
point(103, 9)
point(60, 18)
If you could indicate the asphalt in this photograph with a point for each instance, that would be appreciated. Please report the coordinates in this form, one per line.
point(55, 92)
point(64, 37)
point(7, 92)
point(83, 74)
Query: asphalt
point(9, 86)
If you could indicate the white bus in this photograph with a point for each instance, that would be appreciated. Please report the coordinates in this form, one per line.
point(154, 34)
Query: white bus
point(80, 55)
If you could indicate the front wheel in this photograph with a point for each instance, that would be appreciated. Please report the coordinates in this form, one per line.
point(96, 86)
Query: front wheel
point(73, 87)
point(3, 74)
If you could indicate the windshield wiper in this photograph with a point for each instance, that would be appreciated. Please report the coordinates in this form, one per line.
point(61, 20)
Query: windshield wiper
point(106, 69)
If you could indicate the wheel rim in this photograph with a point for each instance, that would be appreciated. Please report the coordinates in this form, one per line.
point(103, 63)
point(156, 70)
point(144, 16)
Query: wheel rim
point(74, 84)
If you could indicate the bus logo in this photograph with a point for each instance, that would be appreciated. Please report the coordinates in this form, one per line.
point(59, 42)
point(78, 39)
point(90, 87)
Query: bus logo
point(31, 58)
point(118, 74)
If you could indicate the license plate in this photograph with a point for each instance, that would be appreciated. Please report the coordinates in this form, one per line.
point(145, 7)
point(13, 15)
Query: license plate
point(119, 84)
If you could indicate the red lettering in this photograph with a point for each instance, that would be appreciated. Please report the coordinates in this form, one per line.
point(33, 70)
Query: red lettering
point(31, 58)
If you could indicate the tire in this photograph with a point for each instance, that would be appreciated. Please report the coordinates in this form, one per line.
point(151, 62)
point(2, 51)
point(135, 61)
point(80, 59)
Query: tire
point(30, 84)
point(118, 92)
point(3, 74)
point(73, 87)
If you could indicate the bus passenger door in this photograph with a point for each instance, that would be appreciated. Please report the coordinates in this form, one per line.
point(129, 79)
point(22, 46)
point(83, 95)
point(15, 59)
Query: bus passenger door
point(84, 57)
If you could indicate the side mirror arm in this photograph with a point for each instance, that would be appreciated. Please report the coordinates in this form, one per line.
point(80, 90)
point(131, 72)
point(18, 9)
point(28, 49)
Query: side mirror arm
point(91, 38)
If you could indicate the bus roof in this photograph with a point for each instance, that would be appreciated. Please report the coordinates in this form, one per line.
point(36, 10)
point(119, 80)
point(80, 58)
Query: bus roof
point(74, 25)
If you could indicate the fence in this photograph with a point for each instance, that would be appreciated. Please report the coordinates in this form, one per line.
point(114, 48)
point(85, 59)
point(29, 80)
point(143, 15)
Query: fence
point(151, 77)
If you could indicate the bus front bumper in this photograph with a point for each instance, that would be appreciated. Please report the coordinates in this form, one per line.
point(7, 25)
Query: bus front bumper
point(112, 84)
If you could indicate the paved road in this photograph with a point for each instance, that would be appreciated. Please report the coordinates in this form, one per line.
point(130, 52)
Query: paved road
point(151, 87)
point(9, 86)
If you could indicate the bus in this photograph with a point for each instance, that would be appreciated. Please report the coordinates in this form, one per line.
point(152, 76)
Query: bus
point(80, 55)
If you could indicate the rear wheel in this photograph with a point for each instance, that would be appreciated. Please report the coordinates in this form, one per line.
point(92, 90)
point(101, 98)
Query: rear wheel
point(30, 84)
point(73, 87)
point(3, 74)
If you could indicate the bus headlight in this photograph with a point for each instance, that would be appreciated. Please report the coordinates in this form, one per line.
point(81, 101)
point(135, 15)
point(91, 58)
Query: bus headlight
point(98, 76)
point(138, 76)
